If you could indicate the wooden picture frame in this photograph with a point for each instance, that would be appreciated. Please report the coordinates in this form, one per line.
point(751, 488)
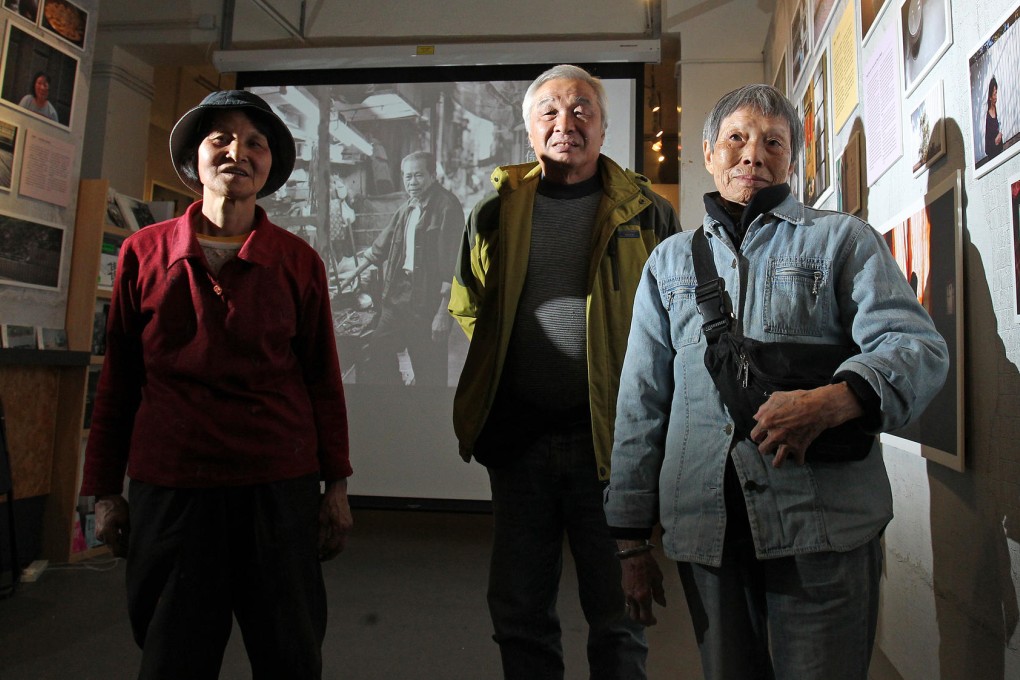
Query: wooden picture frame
point(66, 20)
point(927, 242)
point(31, 252)
point(25, 59)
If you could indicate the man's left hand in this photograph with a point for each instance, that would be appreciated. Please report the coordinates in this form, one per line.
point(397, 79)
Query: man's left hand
point(788, 422)
point(335, 520)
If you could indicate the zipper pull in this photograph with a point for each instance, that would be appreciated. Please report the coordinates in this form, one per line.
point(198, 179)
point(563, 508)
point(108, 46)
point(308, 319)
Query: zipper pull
point(742, 371)
point(669, 301)
point(818, 281)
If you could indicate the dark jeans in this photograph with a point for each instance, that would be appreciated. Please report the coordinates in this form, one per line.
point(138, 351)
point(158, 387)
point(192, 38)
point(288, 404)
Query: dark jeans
point(552, 488)
point(199, 557)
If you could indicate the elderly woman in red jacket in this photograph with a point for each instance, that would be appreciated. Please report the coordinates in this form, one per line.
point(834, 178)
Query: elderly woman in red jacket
point(221, 400)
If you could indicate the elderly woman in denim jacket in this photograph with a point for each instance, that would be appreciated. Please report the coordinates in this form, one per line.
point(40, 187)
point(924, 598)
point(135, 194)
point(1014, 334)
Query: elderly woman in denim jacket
point(767, 543)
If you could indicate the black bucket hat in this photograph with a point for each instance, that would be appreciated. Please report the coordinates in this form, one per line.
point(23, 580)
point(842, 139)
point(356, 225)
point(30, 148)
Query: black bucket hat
point(184, 142)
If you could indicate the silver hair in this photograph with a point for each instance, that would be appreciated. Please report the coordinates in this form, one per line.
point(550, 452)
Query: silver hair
point(767, 101)
point(567, 72)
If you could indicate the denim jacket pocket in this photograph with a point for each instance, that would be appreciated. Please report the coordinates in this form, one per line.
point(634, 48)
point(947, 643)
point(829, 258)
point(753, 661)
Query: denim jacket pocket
point(798, 295)
point(677, 296)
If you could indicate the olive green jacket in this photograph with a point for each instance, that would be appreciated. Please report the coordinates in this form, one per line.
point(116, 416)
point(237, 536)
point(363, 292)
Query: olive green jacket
point(491, 268)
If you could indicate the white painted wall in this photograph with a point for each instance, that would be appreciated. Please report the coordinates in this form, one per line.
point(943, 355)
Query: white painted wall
point(949, 604)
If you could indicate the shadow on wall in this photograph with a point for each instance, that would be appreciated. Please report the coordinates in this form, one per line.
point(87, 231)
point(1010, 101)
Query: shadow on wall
point(972, 513)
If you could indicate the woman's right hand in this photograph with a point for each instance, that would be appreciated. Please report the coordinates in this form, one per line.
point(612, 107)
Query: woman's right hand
point(113, 523)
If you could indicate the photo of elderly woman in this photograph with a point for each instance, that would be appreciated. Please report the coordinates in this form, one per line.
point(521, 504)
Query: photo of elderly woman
point(38, 78)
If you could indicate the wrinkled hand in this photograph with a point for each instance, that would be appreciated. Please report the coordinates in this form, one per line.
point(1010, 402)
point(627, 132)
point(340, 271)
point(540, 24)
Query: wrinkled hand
point(788, 422)
point(113, 523)
point(642, 584)
point(335, 520)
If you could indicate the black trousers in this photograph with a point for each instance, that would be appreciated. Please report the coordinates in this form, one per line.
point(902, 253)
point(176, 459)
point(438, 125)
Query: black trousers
point(198, 558)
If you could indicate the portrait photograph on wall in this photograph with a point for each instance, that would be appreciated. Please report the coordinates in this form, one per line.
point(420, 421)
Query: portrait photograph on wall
point(26, 9)
point(65, 20)
point(871, 12)
point(995, 94)
point(38, 78)
point(8, 143)
point(1014, 203)
point(926, 32)
point(815, 112)
point(927, 243)
point(30, 252)
point(928, 129)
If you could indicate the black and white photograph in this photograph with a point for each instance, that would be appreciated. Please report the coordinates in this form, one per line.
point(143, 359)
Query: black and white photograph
point(419, 151)
point(995, 94)
point(928, 129)
point(8, 143)
point(38, 78)
point(135, 212)
point(65, 20)
point(30, 252)
point(926, 31)
point(52, 338)
point(17, 336)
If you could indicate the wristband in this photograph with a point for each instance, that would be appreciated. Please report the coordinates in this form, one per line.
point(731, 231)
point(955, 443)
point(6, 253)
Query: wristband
point(637, 550)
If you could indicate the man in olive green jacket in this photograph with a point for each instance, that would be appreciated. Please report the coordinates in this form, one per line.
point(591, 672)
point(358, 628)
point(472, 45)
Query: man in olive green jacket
point(544, 286)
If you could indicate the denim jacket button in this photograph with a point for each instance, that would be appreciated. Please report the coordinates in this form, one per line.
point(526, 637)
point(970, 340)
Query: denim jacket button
point(728, 429)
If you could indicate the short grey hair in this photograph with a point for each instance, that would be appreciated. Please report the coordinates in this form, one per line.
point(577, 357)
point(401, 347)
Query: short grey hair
point(764, 99)
point(567, 72)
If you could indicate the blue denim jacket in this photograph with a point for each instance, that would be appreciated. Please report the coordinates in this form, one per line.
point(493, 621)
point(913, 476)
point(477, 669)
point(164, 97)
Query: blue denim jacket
point(812, 276)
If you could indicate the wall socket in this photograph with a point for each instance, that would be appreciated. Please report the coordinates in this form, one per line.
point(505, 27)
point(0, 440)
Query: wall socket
point(33, 571)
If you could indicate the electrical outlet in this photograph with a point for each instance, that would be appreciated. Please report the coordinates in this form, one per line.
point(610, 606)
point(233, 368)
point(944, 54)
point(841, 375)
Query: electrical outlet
point(33, 571)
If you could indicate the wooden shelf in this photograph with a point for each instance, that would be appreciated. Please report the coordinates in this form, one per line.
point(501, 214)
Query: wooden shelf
point(43, 357)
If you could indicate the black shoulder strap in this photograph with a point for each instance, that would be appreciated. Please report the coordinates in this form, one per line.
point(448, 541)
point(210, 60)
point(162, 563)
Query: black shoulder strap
point(704, 265)
point(710, 292)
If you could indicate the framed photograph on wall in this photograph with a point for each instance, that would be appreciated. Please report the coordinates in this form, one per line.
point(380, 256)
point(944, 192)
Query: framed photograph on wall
point(1014, 212)
point(848, 183)
point(927, 242)
point(65, 20)
point(136, 212)
point(8, 143)
point(779, 80)
point(26, 9)
point(800, 42)
point(928, 129)
point(30, 252)
point(815, 114)
point(871, 12)
point(926, 32)
point(995, 94)
point(821, 15)
point(38, 78)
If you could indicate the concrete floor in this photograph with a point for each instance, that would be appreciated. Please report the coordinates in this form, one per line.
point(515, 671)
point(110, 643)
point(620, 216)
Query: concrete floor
point(406, 602)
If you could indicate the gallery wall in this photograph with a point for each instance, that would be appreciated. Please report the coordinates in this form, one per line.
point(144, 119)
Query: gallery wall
point(949, 604)
point(40, 171)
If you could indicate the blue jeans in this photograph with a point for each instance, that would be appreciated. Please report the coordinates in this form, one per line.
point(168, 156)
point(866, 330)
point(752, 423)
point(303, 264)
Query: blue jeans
point(550, 489)
point(820, 609)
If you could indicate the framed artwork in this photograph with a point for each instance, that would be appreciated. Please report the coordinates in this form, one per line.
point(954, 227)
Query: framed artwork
point(871, 12)
point(927, 242)
point(1014, 211)
point(821, 15)
point(30, 252)
point(52, 338)
point(800, 40)
point(928, 129)
point(779, 80)
point(38, 78)
point(848, 183)
point(26, 9)
point(65, 20)
point(926, 32)
point(15, 336)
point(8, 142)
point(994, 95)
point(815, 112)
